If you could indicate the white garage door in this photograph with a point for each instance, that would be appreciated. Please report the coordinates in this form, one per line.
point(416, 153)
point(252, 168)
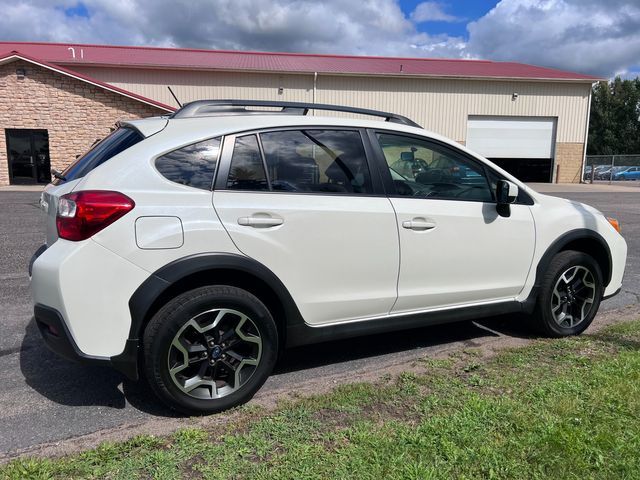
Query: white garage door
point(511, 137)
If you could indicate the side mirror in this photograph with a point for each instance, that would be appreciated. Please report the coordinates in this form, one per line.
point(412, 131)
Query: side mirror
point(506, 194)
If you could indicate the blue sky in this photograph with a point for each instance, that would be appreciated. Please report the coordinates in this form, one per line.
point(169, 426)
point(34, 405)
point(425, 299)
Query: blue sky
point(77, 10)
point(465, 11)
point(589, 36)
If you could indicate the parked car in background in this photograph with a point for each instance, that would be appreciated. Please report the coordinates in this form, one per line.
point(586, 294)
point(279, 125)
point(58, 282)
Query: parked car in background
point(603, 173)
point(629, 173)
point(589, 169)
point(608, 172)
point(191, 249)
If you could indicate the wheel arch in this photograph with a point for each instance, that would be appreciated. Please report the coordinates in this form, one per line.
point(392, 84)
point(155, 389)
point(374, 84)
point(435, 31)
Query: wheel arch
point(582, 240)
point(198, 270)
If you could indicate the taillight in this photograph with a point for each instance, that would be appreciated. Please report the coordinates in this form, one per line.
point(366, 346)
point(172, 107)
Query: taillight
point(83, 214)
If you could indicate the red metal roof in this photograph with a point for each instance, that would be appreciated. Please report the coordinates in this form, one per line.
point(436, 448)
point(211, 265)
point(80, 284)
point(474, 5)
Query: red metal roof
point(180, 58)
point(15, 55)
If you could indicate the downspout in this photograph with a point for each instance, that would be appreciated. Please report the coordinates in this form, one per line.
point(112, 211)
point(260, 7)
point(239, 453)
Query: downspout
point(315, 84)
point(586, 136)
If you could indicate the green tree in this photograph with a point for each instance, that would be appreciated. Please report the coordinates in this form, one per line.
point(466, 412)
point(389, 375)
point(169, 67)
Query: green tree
point(614, 127)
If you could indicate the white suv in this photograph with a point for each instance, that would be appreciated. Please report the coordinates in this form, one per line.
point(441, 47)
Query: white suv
point(193, 248)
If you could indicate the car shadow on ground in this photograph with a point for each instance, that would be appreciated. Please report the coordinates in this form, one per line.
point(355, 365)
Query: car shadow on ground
point(324, 354)
point(71, 384)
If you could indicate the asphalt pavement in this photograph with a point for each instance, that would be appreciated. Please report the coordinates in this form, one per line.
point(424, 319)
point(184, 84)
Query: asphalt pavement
point(45, 399)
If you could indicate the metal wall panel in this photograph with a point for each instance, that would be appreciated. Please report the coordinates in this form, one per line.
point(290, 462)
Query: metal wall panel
point(441, 105)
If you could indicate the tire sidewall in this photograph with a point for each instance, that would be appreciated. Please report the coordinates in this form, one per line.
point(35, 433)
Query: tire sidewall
point(560, 264)
point(180, 310)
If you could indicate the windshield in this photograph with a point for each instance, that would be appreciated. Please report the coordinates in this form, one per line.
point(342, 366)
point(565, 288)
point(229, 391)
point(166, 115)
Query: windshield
point(116, 142)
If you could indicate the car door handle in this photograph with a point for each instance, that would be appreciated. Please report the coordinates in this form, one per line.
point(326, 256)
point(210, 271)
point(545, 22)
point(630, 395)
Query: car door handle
point(419, 224)
point(259, 222)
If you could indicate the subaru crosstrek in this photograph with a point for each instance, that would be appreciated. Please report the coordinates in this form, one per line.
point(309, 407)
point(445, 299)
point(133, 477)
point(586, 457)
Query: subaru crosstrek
point(193, 248)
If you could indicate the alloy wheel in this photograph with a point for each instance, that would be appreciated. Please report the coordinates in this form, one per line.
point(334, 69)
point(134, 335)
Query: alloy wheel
point(214, 353)
point(573, 296)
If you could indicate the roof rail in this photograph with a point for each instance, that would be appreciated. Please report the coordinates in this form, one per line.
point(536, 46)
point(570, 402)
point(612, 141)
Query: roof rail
point(201, 108)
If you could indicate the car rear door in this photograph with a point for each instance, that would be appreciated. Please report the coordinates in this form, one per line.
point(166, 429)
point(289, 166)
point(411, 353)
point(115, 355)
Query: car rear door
point(304, 203)
point(455, 248)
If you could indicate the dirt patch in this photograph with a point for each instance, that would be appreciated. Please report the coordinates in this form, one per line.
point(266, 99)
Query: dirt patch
point(189, 470)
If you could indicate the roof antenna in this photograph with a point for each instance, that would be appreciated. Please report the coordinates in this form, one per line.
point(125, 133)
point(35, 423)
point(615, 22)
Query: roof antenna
point(174, 96)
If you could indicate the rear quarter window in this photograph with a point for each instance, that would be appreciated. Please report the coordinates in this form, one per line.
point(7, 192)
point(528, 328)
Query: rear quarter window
point(117, 142)
point(193, 165)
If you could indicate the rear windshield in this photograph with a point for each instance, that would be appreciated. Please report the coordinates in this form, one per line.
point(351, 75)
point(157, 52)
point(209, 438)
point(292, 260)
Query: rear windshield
point(117, 141)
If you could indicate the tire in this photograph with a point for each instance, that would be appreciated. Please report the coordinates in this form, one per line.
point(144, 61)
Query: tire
point(236, 327)
point(547, 316)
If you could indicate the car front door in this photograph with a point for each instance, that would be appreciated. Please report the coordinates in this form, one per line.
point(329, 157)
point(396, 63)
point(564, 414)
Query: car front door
point(455, 248)
point(303, 202)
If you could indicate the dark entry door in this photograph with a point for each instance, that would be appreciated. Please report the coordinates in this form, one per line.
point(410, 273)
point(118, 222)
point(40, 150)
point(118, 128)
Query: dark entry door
point(28, 153)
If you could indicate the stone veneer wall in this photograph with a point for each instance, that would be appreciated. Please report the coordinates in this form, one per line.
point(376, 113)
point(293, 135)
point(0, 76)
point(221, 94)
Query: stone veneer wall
point(569, 157)
point(74, 112)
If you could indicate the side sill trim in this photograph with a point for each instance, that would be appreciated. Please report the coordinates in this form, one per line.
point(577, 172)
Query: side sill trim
point(424, 312)
point(303, 334)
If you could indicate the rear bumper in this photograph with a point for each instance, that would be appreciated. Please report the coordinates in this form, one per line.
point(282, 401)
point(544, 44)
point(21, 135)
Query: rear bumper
point(58, 339)
point(35, 256)
point(88, 287)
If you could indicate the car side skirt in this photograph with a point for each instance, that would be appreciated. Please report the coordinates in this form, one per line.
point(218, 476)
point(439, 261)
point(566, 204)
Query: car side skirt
point(304, 334)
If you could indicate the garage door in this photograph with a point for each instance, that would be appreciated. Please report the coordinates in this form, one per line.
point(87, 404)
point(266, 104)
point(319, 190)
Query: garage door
point(521, 145)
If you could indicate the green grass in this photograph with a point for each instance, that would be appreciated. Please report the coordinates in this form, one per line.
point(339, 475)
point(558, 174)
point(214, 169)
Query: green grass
point(558, 409)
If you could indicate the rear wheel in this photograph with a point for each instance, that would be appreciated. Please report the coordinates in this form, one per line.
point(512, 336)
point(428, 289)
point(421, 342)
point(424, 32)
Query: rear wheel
point(210, 349)
point(570, 295)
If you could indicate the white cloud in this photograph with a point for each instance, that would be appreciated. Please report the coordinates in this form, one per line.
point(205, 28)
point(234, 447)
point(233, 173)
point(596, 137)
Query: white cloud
point(374, 27)
point(432, 12)
point(589, 36)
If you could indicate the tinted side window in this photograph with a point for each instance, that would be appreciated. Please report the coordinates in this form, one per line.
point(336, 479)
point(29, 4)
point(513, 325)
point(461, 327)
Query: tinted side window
point(424, 169)
point(193, 165)
point(247, 170)
point(317, 161)
point(116, 142)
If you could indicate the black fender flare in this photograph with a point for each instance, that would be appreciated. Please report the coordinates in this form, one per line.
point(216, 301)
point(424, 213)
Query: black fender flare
point(161, 280)
point(558, 245)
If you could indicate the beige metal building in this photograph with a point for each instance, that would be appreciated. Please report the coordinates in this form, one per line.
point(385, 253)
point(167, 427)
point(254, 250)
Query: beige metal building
point(533, 121)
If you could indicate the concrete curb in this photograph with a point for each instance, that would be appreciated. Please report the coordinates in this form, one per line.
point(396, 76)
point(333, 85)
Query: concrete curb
point(627, 187)
point(22, 188)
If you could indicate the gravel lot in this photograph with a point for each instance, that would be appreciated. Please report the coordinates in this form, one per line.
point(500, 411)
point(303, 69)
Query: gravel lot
point(45, 400)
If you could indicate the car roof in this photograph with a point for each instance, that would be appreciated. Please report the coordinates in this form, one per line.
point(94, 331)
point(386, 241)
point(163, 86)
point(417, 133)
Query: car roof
point(216, 125)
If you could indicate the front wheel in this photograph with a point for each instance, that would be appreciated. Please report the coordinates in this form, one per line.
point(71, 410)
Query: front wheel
point(210, 349)
point(570, 295)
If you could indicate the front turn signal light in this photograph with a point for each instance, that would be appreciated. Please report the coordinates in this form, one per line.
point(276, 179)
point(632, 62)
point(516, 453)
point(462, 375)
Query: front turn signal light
point(615, 224)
